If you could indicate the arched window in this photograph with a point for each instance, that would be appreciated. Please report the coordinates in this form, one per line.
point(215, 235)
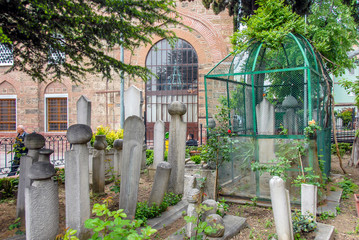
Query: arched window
point(177, 80)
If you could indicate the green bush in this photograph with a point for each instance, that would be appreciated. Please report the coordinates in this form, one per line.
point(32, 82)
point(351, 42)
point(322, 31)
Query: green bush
point(144, 211)
point(60, 175)
point(114, 225)
point(149, 157)
point(196, 159)
point(8, 187)
point(348, 187)
point(346, 115)
point(111, 135)
point(344, 148)
point(302, 224)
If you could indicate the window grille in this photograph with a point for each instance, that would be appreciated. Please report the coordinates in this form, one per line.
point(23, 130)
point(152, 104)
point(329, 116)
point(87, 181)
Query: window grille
point(6, 56)
point(177, 80)
point(7, 114)
point(56, 56)
point(56, 114)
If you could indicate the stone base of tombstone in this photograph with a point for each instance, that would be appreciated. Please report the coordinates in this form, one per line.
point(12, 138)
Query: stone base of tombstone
point(151, 172)
point(209, 174)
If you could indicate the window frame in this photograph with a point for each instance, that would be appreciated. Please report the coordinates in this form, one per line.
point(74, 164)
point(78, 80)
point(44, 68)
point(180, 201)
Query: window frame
point(47, 96)
point(12, 56)
point(56, 56)
point(10, 97)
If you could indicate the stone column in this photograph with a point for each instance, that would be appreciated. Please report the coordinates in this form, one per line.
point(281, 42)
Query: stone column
point(160, 184)
point(309, 200)
point(177, 147)
point(98, 164)
point(42, 201)
point(33, 142)
point(134, 131)
point(281, 209)
point(117, 145)
point(77, 179)
point(193, 198)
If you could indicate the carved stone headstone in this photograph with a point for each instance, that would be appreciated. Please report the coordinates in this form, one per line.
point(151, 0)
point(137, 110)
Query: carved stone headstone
point(33, 142)
point(290, 119)
point(77, 190)
point(281, 208)
point(42, 201)
point(133, 102)
point(134, 131)
point(160, 184)
point(83, 111)
point(216, 222)
point(266, 126)
point(177, 147)
point(117, 145)
point(159, 143)
point(98, 161)
point(192, 198)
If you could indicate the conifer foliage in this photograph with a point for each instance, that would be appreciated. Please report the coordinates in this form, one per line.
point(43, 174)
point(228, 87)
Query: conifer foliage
point(84, 32)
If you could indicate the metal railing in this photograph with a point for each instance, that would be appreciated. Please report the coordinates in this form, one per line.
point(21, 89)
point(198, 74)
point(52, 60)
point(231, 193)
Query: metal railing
point(345, 132)
point(58, 143)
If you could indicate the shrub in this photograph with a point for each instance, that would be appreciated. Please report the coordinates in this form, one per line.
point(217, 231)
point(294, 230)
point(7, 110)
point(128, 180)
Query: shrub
point(8, 187)
point(196, 159)
point(347, 115)
point(348, 187)
point(60, 175)
point(302, 224)
point(111, 135)
point(149, 157)
point(344, 148)
point(144, 211)
point(113, 224)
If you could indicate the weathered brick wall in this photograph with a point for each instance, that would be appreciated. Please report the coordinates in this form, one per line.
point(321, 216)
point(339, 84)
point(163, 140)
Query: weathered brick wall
point(209, 36)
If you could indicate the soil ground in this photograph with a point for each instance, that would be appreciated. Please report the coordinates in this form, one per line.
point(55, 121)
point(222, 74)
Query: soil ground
point(259, 219)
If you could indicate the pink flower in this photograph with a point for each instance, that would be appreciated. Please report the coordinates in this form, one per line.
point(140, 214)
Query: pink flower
point(229, 131)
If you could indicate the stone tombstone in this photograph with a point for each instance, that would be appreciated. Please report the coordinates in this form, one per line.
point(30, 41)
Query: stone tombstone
point(42, 201)
point(144, 158)
point(133, 102)
point(117, 145)
point(98, 164)
point(134, 131)
point(158, 143)
point(265, 114)
point(192, 198)
point(177, 147)
point(77, 190)
point(83, 106)
point(212, 204)
point(281, 209)
point(290, 120)
point(160, 184)
point(217, 223)
point(33, 142)
point(309, 193)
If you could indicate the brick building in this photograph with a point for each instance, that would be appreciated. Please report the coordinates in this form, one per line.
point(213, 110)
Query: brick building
point(50, 107)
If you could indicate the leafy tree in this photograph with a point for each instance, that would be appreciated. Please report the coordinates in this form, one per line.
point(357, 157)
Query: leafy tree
point(84, 31)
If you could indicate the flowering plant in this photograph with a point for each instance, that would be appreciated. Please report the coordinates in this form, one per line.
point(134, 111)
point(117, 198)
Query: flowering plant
point(311, 130)
point(111, 135)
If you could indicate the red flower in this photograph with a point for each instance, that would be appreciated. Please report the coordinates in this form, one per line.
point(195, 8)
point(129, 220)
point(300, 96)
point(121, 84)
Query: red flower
point(229, 131)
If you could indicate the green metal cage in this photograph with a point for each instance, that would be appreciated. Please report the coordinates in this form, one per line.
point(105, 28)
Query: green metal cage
point(268, 91)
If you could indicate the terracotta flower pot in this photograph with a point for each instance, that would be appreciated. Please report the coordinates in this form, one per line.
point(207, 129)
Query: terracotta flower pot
point(356, 197)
